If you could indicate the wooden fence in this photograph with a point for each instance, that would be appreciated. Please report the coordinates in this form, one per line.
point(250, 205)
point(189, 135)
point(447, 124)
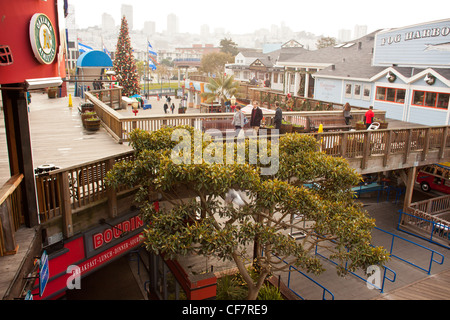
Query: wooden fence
point(11, 215)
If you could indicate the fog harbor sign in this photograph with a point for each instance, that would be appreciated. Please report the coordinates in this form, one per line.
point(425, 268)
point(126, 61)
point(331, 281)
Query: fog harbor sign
point(43, 38)
point(425, 45)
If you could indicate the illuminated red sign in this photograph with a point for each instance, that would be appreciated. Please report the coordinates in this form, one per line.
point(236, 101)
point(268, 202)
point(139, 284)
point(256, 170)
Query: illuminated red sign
point(117, 231)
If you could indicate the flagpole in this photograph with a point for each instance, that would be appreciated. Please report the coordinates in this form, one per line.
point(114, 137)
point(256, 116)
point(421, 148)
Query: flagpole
point(146, 80)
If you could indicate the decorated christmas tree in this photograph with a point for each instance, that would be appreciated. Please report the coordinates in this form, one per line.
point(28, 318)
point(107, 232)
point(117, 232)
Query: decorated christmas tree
point(124, 64)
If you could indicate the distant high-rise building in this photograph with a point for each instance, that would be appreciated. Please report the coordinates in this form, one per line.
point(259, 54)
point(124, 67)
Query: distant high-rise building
point(127, 11)
point(344, 35)
point(204, 30)
point(360, 31)
point(149, 27)
point(107, 22)
point(172, 24)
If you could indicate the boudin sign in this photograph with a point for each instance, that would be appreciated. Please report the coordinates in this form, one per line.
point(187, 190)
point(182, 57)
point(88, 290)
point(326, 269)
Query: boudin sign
point(43, 38)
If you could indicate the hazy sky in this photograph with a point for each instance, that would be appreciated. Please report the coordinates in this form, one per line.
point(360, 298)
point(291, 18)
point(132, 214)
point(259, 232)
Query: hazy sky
point(243, 16)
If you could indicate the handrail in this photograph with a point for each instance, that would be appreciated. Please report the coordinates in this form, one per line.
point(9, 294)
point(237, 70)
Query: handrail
point(325, 290)
point(365, 280)
point(10, 186)
point(439, 227)
point(433, 252)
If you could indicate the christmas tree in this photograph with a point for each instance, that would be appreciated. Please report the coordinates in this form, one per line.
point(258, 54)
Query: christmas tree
point(124, 64)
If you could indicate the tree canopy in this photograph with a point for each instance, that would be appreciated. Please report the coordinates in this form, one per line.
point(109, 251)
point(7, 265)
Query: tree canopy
point(214, 62)
point(310, 192)
point(220, 88)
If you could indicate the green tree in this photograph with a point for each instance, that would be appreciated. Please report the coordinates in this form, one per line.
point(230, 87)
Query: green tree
point(214, 63)
point(124, 63)
point(221, 88)
point(200, 218)
point(229, 46)
point(325, 42)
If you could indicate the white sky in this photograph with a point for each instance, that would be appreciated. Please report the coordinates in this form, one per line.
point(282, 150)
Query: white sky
point(244, 16)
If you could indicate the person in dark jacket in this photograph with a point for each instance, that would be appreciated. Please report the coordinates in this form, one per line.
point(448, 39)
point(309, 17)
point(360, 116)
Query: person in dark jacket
point(257, 115)
point(278, 116)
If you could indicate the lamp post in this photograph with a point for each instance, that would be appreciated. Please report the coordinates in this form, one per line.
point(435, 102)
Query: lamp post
point(233, 100)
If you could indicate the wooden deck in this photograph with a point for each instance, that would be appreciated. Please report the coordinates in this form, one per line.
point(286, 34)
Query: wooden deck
point(434, 287)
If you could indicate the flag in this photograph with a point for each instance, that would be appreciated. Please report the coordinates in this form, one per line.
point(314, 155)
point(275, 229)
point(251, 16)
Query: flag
point(153, 59)
point(150, 49)
point(106, 51)
point(84, 48)
point(151, 65)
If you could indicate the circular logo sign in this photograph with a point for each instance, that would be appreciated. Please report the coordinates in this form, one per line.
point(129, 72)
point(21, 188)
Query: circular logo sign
point(42, 38)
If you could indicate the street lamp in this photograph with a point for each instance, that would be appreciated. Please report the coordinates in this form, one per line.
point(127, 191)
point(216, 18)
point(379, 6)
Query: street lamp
point(233, 100)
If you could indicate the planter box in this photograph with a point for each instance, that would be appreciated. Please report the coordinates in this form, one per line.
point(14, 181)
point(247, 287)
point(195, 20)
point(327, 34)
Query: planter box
point(360, 126)
point(383, 125)
point(286, 128)
point(52, 92)
point(92, 125)
point(298, 129)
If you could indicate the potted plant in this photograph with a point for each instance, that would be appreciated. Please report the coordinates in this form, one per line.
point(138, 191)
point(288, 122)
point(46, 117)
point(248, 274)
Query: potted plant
point(359, 125)
point(92, 124)
point(52, 92)
point(298, 128)
point(269, 128)
point(383, 123)
point(286, 127)
point(87, 106)
point(87, 115)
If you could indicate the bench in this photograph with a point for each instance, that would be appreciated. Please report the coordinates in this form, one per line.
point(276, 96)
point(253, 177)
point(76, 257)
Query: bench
point(328, 123)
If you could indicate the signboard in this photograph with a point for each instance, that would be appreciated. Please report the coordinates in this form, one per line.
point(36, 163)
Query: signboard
point(112, 232)
point(43, 38)
point(424, 45)
point(43, 273)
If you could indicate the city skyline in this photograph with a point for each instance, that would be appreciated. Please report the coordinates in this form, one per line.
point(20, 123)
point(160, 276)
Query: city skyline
point(324, 17)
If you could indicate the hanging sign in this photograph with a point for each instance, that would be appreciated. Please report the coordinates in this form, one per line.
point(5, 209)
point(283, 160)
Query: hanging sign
point(43, 38)
point(43, 273)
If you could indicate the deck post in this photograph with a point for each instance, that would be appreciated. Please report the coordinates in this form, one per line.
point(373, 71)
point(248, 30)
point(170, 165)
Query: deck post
point(65, 206)
point(409, 188)
point(111, 193)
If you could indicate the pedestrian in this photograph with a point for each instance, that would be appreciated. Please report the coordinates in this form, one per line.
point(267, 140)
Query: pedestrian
point(238, 120)
point(165, 107)
point(227, 106)
point(278, 116)
point(172, 107)
point(347, 115)
point(256, 117)
point(368, 117)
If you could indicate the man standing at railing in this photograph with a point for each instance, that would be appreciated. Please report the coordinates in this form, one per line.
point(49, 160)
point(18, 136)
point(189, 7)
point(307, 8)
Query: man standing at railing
point(278, 116)
point(368, 117)
point(256, 117)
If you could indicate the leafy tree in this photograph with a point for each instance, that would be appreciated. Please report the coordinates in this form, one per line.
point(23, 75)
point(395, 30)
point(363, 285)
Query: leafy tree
point(124, 64)
point(229, 46)
point(221, 88)
point(199, 217)
point(214, 62)
point(325, 42)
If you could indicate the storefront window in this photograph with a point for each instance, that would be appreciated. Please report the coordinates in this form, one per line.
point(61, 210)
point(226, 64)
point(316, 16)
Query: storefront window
point(391, 94)
point(381, 93)
point(431, 99)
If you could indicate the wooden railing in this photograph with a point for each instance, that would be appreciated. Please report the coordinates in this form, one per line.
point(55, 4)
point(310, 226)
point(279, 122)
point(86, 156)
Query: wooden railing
point(67, 191)
point(11, 214)
point(387, 143)
point(430, 218)
point(120, 125)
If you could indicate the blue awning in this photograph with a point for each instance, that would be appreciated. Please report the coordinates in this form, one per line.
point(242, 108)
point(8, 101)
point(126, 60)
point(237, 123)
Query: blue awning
point(94, 58)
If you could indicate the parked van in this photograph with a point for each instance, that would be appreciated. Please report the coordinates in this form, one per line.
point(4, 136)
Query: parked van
point(435, 177)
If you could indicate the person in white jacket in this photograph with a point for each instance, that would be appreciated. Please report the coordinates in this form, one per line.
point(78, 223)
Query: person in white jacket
point(238, 120)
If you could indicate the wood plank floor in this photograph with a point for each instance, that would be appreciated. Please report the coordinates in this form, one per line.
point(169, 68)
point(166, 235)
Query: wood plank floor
point(434, 287)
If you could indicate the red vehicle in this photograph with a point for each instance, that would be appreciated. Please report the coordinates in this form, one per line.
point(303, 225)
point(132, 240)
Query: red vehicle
point(435, 177)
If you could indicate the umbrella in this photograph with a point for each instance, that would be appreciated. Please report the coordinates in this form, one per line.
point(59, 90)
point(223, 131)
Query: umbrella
point(248, 110)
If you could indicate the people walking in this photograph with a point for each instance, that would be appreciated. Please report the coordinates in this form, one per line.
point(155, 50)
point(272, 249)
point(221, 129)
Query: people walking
point(347, 114)
point(165, 107)
point(238, 120)
point(172, 107)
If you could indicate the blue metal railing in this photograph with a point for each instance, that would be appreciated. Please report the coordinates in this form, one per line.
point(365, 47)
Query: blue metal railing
point(385, 277)
point(433, 252)
point(436, 230)
point(325, 290)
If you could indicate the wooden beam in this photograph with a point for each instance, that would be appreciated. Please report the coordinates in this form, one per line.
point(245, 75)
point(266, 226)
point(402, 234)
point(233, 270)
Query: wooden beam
point(65, 205)
point(409, 188)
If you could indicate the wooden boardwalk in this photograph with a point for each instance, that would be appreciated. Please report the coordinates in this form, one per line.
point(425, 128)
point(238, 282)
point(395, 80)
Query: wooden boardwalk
point(434, 287)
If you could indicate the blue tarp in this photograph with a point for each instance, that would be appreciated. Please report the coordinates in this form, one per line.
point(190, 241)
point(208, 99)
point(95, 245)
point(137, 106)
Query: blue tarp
point(94, 58)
